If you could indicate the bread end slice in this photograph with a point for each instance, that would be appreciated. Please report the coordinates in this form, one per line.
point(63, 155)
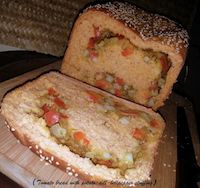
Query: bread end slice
point(126, 51)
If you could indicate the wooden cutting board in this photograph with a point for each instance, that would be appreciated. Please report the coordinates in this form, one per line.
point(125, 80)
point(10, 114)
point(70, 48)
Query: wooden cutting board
point(24, 167)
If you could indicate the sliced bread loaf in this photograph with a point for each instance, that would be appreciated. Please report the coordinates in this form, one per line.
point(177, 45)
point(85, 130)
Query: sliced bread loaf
point(83, 130)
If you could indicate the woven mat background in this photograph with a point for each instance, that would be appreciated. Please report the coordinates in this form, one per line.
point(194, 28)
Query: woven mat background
point(44, 25)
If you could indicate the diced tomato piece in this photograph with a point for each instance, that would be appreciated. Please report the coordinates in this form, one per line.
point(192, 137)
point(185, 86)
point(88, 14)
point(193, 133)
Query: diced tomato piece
point(91, 43)
point(165, 64)
point(45, 108)
point(86, 141)
point(52, 91)
point(103, 84)
point(93, 54)
point(127, 51)
point(130, 112)
point(95, 97)
point(107, 163)
point(63, 116)
point(153, 86)
point(118, 92)
point(154, 123)
point(51, 117)
point(59, 102)
point(97, 32)
point(78, 136)
point(120, 37)
point(120, 81)
point(138, 134)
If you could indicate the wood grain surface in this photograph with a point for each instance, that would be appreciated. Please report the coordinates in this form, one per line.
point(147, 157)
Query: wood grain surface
point(25, 168)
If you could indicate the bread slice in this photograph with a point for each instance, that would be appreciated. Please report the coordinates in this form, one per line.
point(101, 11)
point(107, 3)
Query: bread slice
point(126, 51)
point(82, 130)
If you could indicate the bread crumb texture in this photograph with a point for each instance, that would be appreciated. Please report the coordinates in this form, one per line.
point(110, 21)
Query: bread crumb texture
point(82, 130)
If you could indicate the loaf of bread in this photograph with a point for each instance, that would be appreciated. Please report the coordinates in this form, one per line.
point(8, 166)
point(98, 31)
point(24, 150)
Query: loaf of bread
point(126, 51)
point(82, 130)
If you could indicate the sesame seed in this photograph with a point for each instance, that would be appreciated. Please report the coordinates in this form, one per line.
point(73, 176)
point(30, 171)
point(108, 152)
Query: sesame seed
point(69, 168)
point(50, 161)
point(76, 175)
point(164, 164)
point(42, 157)
point(52, 158)
point(73, 170)
point(36, 146)
point(40, 151)
point(57, 163)
point(13, 129)
point(47, 158)
point(168, 165)
point(30, 147)
point(70, 173)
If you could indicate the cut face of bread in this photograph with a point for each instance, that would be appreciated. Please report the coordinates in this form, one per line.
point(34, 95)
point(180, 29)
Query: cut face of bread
point(101, 136)
point(126, 51)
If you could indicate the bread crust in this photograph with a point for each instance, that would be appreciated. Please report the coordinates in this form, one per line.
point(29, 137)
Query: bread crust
point(143, 29)
point(38, 148)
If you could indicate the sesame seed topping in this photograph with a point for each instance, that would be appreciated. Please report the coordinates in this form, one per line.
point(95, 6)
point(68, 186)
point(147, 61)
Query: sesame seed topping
point(76, 175)
point(13, 129)
point(42, 157)
point(40, 151)
point(69, 168)
point(36, 146)
point(50, 161)
point(73, 170)
point(47, 158)
point(57, 163)
point(30, 147)
point(52, 158)
point(148, 25)
point(70, 173)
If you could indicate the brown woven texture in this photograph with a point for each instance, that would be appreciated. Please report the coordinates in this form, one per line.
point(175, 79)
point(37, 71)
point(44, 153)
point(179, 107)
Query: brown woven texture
point(44, 25)
point(38, 25)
